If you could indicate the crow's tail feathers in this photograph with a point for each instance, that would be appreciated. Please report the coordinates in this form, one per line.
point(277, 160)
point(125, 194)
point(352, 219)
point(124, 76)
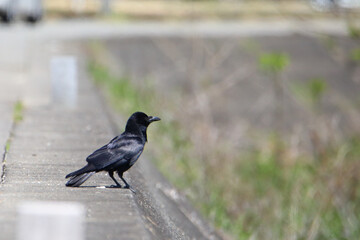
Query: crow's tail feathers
point(77, 180)
point(86, 169)
point(80, 176)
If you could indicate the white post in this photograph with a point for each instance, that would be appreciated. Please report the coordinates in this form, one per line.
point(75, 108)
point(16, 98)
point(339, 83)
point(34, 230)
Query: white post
point(64, 80)
point(51, 221)
point(105, 7)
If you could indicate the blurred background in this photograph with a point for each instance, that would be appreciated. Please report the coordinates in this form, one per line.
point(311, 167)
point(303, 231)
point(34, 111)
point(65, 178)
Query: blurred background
point(259, 99)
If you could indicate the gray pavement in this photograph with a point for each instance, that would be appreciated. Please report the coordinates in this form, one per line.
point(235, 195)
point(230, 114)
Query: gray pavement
point(53, 140)
point(50, 142)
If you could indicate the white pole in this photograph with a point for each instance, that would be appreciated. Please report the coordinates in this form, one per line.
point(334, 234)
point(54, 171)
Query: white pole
point(64, 82)
point(105, 9)
point(51, 221)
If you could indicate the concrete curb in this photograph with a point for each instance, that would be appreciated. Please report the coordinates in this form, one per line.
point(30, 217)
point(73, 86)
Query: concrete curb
point(54, 140)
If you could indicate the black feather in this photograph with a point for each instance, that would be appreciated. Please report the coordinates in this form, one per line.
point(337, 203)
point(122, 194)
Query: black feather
point(77, 180)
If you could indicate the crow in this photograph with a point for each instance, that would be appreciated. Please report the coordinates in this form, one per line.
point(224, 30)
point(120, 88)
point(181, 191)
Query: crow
point(118, 155)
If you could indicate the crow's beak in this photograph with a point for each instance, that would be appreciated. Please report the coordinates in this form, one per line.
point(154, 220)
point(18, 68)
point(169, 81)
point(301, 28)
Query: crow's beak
point(154, 119)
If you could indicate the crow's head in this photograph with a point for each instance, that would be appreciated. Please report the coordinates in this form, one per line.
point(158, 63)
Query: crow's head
point(142, 119)
point(138, 122)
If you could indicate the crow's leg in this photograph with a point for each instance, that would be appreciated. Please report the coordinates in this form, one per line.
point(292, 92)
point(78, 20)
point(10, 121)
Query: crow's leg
point(111, 174)
point(126, 184)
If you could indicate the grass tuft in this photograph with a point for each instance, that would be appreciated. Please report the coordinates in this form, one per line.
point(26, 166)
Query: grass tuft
point(355, 55)
point(354, 31)
point(18, 111)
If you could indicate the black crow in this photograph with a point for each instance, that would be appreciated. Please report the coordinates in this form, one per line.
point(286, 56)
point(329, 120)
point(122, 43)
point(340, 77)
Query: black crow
point(118, 155)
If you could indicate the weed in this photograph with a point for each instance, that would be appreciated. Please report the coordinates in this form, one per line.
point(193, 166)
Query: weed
point(18, 111)
point(273, 62)
point(7, 146)
point(310, 92)
point(355, 55)
point(354, 31)
point(17, 117)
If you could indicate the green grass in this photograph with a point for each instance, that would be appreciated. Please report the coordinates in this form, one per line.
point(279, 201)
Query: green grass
point(273, 62)
point(355, 55)
point(17, 117)
point(311, 92)
point(7, 145)
point(18, 112)
point(266, 192)
point(354, 31)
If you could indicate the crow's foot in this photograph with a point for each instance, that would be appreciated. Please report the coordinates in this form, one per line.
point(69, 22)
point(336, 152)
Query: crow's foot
point(115, 186)
point(130, 188)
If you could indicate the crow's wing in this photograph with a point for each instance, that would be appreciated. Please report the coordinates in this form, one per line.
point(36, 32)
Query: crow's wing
point(122, 148)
